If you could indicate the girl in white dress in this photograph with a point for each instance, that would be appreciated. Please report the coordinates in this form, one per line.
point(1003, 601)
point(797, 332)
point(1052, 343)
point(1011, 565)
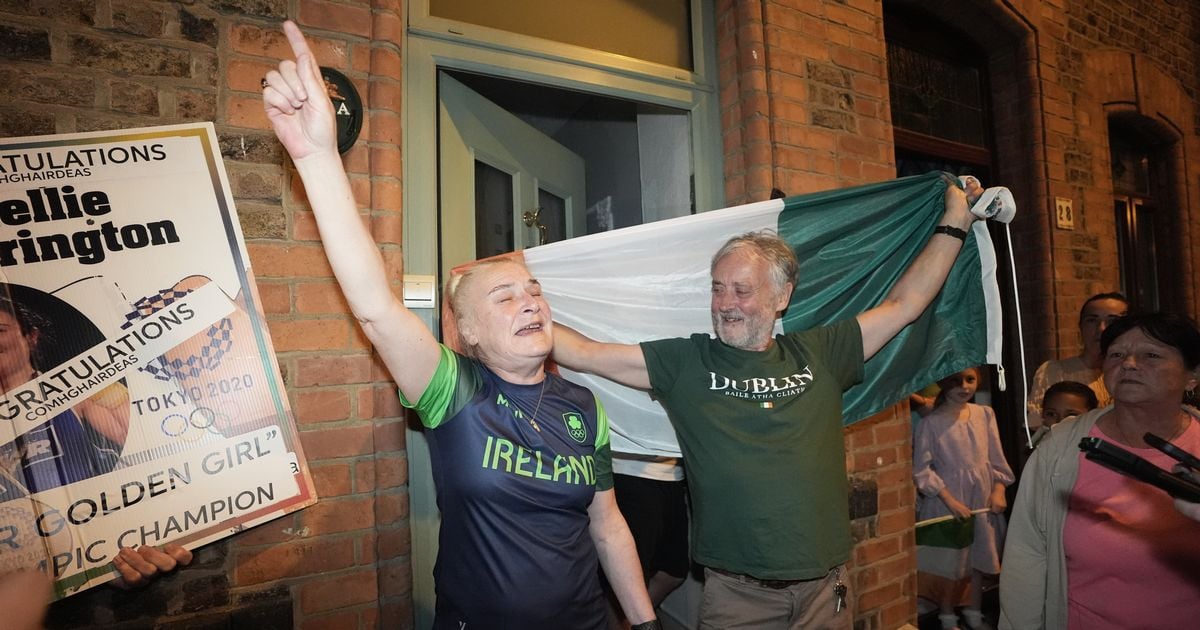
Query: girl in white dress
point(959, 468)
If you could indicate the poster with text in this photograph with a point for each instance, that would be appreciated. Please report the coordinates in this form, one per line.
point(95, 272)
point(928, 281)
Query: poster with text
point(140, 400)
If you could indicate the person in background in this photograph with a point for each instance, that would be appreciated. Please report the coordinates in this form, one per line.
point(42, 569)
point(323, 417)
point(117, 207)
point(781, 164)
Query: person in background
point(958, 468)
point(1088, 547)
point(521, 458)
point(1064, 399)
point(1095, 315)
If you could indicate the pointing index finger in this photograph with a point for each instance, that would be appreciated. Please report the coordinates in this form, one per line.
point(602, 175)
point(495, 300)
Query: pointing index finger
point(296, 39)
point(310, 76)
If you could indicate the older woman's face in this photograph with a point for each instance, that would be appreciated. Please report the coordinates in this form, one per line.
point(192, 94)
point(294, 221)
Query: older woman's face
point(1139, 368)
point(509, 319)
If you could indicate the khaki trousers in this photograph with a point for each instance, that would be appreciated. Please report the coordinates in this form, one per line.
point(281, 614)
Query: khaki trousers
point(732, 602)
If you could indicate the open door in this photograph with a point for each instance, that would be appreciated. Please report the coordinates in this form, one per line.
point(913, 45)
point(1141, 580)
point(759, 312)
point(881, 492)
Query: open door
point(504, 185)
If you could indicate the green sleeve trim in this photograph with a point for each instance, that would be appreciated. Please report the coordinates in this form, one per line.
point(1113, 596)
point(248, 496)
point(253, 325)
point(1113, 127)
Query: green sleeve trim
point(453, 383)
point(602, 460)
point(601, 424)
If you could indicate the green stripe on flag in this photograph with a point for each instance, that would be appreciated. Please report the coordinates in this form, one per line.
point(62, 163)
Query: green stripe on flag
point(853, 245)
point(951, 534)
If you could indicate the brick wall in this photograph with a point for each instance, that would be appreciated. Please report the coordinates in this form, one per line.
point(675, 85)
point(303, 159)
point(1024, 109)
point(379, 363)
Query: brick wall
point(79, 66)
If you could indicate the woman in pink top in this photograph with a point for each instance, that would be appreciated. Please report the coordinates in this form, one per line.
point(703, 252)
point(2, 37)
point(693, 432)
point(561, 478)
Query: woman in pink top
point(1089, 547)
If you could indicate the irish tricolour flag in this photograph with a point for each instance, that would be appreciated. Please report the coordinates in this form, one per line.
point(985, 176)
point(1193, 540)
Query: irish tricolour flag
point(652, 281)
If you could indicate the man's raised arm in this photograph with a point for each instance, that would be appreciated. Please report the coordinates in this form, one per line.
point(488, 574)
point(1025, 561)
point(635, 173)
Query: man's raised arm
point(924, 278)
point(620, 362)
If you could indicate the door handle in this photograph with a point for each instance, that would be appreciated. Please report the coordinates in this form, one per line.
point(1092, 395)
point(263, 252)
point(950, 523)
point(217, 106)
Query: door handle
point(532, 218)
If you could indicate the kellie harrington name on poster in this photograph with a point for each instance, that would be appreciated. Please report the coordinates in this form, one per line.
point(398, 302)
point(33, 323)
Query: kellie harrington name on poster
point(46, 165)
point(88, 247)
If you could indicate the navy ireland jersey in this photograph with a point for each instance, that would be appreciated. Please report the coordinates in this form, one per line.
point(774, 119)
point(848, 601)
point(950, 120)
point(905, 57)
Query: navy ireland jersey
point(516, 467)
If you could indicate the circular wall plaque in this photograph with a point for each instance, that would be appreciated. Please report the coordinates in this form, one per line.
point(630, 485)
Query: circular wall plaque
point(347, 107)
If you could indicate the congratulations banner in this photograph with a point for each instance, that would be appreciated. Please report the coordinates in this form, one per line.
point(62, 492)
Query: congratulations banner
point(140, 401)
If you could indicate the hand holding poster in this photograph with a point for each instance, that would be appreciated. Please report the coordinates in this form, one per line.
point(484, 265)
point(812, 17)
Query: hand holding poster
point(140, 402)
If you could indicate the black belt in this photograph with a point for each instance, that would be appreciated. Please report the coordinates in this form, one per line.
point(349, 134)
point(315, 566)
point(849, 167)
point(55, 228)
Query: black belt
point(750, 579)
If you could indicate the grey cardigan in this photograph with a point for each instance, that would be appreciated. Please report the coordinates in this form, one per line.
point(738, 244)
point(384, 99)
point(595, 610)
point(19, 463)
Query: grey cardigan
point(1033, 581)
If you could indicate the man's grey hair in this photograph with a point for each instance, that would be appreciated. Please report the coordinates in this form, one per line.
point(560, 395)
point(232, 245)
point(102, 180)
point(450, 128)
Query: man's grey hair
point(767, 245)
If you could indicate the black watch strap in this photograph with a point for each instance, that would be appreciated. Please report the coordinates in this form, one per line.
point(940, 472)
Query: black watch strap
point(653, 624)
point(950, 230)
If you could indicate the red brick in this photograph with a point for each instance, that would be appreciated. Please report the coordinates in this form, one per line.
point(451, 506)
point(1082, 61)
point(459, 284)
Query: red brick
point(394, 543)
point(898, 614)
point(271, 260)
point(388, 27)
point(246, 111)
point(357, 160)
point(275, 298)
point(320, 298)
point(308, 557)
point(896, 476)
point(379, 402)
point(310, 334)
point(385, 63)
point(390, 508)
point(280, 530)
point(872, 459)
point(271, 43)
point(876, 549)
point(894, 522)
point(395, 579)
point(324, 405)
point(391, 471)
point(368, 548)
point(877, 597)
point(386, 161)
point(396, 614)
point(304, 226)
point(859, 435)
point(385, 95)
point(245, 75)
point(339, 591)
point(897, 433)
point(331, 480)
point(332, 370)
point(386, 127)
point(339, 442)
point(389, 436)
point(364, 475)
point(386, 194)
point(332, 516)
point(388, 227)
point(339, 18)
point(340, 620)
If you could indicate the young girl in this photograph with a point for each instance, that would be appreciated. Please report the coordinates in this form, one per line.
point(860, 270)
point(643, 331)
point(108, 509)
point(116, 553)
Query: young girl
point(958, 467)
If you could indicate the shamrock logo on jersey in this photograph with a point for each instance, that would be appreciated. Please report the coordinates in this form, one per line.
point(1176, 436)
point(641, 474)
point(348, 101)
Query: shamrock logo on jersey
point(575, 427)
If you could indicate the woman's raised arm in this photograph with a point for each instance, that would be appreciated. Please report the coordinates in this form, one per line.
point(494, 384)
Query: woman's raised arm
point(302, 115)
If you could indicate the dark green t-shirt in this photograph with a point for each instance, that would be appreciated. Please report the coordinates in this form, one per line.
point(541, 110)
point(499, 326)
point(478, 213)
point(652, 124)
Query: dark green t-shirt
point(761, 433)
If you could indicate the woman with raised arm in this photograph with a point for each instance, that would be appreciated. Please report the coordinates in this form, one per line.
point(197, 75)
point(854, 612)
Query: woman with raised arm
point(520, 457)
